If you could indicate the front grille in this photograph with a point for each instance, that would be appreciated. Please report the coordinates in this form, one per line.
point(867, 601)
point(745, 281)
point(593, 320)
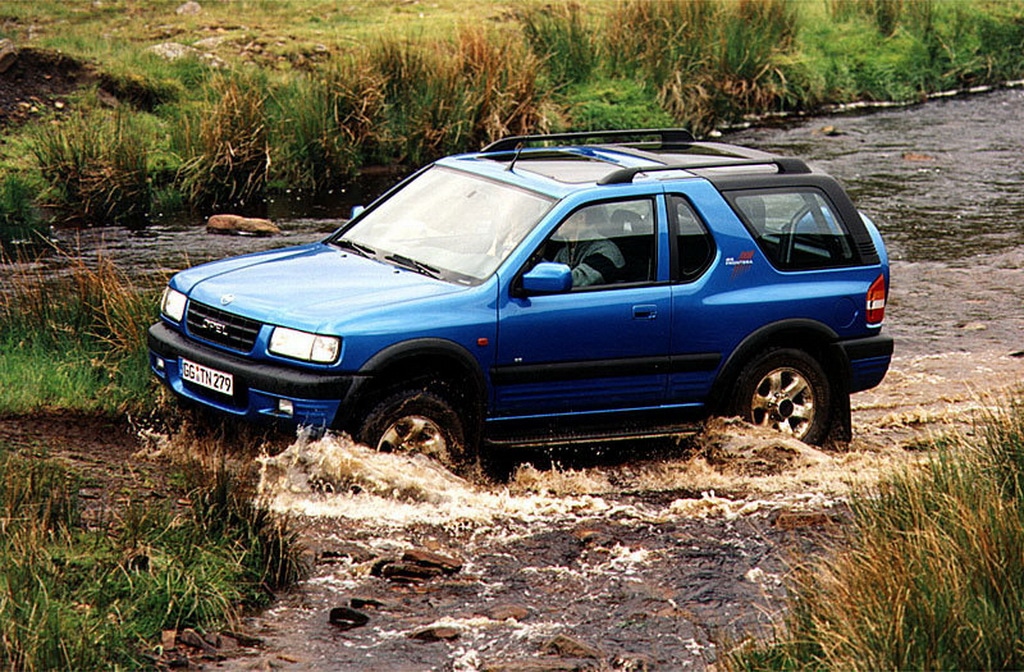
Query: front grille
point(222, 328)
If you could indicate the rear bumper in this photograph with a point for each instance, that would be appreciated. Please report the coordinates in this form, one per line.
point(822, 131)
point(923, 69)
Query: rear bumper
point(868, 359)
point(259, 387)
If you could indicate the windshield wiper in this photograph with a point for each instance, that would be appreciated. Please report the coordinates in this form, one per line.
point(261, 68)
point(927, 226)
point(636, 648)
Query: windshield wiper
point(414, 265)
point(358, 248)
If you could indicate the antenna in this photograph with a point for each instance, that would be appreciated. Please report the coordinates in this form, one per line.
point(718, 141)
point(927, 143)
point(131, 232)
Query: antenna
point(512, 163)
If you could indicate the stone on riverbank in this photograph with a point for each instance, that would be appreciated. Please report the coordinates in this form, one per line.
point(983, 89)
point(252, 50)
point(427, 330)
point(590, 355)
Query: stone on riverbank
point(241, 226)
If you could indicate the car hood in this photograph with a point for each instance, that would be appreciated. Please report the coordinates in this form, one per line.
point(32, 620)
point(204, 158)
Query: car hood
point(313, 287)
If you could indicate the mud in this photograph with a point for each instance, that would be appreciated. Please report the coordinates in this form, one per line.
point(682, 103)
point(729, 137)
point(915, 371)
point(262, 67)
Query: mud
point(39, 81)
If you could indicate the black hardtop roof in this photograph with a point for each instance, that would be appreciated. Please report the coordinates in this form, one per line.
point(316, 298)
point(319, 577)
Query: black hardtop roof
point(662, 150)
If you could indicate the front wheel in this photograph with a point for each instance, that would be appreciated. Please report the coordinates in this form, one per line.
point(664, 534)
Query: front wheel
point(416, 421)
point(785, 390)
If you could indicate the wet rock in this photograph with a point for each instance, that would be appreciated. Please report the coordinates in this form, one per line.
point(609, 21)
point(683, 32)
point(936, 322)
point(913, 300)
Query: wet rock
point(426, 558)
point(594, 538)
point(191, 638)
point(366, 603)
point(797, 520)
point(237, 225)
point(242, 638)
point(409, 573)
point(830, 131)
point(190, 8)
point(436, 633)
point(8, 54)
point(914, 156)
point(503, 612)
point(542, 665)
point(355, 553)
point(569, 647)
point(346, 618)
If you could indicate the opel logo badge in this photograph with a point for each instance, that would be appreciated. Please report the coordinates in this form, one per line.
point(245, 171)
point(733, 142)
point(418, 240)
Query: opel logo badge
point(226, 299)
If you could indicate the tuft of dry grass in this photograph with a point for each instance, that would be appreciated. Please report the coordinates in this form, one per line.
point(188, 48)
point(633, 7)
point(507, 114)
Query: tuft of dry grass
point(931, 575)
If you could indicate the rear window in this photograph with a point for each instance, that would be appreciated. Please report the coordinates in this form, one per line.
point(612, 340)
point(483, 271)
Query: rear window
point(796, 229)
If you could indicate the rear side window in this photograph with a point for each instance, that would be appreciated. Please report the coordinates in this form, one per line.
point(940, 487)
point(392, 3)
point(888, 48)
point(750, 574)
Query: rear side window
point(694, 245)
point(796, 229)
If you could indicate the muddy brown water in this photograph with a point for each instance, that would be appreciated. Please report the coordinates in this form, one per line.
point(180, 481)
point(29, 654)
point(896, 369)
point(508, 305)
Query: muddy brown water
point(650, 556)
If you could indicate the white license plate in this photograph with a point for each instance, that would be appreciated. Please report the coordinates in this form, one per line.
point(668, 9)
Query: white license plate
point(211, 379)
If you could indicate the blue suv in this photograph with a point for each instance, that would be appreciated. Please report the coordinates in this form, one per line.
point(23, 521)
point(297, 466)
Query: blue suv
point(550, 289)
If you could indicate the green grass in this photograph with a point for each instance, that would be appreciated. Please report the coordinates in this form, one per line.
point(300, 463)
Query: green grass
point(97, 597)
point(931, 575)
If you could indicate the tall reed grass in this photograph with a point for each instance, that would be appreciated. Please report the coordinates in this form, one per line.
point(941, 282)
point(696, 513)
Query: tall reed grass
point(932, 574)
point(561, 37)
point(445, 97)
point(224, 142)
point(97, 162)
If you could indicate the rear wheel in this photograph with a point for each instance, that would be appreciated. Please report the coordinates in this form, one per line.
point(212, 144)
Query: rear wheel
point(417, 421)
point(785, 390)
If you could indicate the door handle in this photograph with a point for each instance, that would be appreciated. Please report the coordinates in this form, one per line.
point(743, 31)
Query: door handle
point(645, 312)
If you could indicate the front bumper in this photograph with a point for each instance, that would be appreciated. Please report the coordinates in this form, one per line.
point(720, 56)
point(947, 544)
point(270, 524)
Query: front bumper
point(312, 398)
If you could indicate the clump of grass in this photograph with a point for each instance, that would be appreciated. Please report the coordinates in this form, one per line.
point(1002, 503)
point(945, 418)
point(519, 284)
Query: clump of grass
point(224, 142)
point(451, 96)
point(19, 220)
point(78, 598)
point(325, 123)
point(560, 37)
point(932, 575)
point(77, 340)
point(97, 162)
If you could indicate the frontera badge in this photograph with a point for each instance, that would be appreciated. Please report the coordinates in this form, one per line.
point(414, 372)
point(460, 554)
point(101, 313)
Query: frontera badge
point(226, 299)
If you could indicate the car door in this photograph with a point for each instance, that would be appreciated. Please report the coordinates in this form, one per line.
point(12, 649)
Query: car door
point(602, 345)
point(700, 320)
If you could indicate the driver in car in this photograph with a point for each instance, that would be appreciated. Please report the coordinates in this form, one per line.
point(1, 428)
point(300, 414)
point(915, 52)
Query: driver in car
point(593, 258)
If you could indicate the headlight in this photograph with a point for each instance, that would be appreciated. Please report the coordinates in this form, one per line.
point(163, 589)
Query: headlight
point(305, 346)
point(172, 304)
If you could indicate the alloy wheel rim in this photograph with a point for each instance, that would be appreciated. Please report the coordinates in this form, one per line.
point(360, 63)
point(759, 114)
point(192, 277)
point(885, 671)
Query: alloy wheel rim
point(414, 434)
point(784, 401)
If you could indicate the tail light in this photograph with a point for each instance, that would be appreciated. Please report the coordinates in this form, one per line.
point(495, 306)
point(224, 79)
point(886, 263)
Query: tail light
point(876, 301)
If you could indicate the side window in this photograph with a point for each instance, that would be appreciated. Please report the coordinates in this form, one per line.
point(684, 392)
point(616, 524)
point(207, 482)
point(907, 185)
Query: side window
point(694, 245)
point(796, 230)
point(607, 243)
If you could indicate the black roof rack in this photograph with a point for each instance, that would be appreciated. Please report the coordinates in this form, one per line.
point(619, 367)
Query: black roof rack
point(784, 164)
point(667, 137)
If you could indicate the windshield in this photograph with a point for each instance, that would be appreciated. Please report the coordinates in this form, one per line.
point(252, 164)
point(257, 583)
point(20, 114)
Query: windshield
point(447, 224)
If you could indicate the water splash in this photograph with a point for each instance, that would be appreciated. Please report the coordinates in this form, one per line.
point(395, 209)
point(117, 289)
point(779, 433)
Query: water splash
point(337, 477)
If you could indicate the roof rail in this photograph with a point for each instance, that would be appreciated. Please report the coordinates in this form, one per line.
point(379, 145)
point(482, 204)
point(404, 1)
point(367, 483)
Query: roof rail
point(667, 136)
point(784, 164)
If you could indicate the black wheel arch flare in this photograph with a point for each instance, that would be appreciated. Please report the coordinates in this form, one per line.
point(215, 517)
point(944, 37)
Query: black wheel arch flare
point(419, 362)
point(817, 340)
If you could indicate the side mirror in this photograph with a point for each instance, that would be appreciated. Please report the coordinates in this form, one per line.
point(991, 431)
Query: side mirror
point(547, 277)
point(357, 210)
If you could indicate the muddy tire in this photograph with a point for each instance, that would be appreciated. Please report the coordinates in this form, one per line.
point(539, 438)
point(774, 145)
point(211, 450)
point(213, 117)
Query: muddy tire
point(417, 421)
point(785, 390)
